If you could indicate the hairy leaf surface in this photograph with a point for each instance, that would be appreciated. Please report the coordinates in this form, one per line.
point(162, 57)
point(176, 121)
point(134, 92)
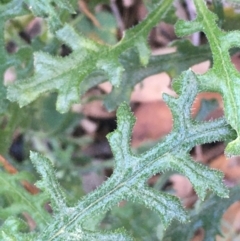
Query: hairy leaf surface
point(124, 65)
point(132, 171)
point(64, 75)
point(223, 76)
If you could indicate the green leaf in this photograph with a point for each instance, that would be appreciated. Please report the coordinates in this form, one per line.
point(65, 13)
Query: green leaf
point(18, 200)
point(132, 171)
point(174, 63)
point(201, 177)
point(202, 217)
point(45, 9)
point(49, 182)
point(118, 235)
point(223, 76)
point(9, 231)
point(8, 10)
point(64, 75)
point(11, 9)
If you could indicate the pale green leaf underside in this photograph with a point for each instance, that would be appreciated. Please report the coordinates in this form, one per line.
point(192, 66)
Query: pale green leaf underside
point(64, 75)
point(58, 199)
point(223, 76)
point(132, 171)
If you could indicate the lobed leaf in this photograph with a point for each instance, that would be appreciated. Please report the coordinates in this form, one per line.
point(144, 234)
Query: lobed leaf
point(223, 76)
point(49, 182)
point(132, 171)
point(201, 177)
point(128, 181)
point(64, 75)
